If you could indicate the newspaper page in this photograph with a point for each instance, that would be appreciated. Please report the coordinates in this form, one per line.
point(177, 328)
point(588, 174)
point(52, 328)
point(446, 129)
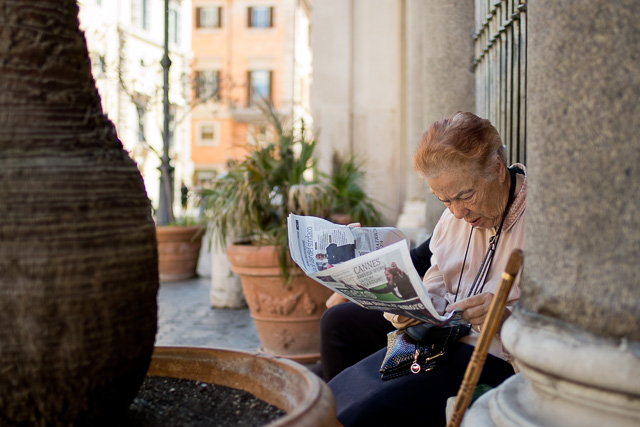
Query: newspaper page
point(370, 266)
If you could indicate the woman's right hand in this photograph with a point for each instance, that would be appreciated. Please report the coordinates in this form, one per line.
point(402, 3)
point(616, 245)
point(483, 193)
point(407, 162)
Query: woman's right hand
point(401, 322)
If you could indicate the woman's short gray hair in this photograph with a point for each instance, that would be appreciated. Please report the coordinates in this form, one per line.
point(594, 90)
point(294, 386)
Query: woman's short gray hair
point(462, 140)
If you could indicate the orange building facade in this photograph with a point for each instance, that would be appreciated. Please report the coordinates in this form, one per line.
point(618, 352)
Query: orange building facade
point(243, 51)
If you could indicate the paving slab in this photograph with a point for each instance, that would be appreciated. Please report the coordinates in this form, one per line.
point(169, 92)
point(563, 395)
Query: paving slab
point(186, 319)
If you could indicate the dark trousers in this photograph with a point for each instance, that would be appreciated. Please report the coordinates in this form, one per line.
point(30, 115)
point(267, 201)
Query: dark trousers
point(348, 334)
point(363, 399)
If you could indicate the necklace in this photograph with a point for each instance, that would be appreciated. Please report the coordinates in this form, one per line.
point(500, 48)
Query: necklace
point(478, 283)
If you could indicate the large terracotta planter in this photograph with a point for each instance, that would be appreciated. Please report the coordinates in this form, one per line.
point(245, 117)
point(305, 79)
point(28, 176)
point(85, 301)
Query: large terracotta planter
point(289, 386)
point(178, 251)
point(287, 317)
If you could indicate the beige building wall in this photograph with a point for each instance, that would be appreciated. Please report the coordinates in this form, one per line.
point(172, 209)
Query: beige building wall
point(233, 49)
point(356, 94)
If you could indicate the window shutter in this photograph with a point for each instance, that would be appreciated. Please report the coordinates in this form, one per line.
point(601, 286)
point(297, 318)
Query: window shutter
point(145, 15)
point(249, 14)
point(271, 17)
point(217, 94)
point(270, 85)
point(249, 88)
point(198, 11)
point(220, 17)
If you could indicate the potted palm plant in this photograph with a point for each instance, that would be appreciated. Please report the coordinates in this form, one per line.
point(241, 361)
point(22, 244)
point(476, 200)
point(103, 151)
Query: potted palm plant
point(249, 205)
point(350, 202)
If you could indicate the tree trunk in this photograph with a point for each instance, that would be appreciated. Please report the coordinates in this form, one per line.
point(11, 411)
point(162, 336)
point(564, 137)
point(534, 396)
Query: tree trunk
point(78, 258)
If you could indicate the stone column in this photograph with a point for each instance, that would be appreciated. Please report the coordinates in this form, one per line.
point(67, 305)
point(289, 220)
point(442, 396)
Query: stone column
point(356, 96)
point(439, 81)
point(575, 335)
point(226, 289)
point(332, 86)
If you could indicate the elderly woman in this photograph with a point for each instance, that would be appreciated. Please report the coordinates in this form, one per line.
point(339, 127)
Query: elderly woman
point(464, 163)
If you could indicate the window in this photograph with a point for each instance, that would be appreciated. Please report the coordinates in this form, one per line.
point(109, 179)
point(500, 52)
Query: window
point(174, 26)
point(209, 17)
point(207, 84)
point(99, 65)
point(207, 133)
point(141, 101)
point(140, 13)
point(259, 85)
point(260, 17)
point(140, 110)
point(173, 116)
point(204, 178)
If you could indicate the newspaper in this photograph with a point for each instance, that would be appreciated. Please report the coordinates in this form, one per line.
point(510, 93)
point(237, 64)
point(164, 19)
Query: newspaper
point(370, 266)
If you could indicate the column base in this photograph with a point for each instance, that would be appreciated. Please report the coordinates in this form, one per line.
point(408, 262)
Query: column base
point(412, 221)
point(567, 377)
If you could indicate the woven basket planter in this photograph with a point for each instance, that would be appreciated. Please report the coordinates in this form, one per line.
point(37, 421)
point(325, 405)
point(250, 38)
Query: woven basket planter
point(78, 259)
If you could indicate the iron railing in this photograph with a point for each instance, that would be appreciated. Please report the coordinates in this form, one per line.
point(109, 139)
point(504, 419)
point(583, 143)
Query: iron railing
point(500, 61)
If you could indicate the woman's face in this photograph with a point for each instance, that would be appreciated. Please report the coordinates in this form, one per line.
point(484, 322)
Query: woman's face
point(478, 202)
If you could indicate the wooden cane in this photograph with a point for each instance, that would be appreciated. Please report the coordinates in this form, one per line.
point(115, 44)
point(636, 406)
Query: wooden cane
point(489, 329)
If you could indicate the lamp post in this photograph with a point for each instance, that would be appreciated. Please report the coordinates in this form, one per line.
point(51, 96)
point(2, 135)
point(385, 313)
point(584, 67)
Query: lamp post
point(165, 204)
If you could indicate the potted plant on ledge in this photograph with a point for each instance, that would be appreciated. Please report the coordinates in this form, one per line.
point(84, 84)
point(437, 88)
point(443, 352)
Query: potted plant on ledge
point(179, 246)
point(249, 206)
point(350, 203)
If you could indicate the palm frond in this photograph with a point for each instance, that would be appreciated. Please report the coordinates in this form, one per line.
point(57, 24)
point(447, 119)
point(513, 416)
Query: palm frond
point(252, 200)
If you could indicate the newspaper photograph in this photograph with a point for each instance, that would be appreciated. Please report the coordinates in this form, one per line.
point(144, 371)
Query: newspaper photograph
point(370, 266)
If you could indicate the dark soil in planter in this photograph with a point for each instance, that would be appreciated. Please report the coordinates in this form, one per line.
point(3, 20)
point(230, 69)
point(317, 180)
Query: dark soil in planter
point(166, 402)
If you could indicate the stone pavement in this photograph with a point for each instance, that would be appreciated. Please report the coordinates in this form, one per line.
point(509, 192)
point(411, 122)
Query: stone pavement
point(186, 318)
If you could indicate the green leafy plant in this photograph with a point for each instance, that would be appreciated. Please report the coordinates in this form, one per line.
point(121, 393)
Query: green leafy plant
point(349, 197)
point(251, 201)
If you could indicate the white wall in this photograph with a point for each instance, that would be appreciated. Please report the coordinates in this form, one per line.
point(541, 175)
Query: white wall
point(133, 55)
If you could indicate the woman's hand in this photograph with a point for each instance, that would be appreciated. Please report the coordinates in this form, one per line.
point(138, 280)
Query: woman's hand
point(335, 299)
point(474, 309)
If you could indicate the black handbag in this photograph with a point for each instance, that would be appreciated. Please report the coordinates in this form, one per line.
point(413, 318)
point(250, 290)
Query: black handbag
point(418, 348)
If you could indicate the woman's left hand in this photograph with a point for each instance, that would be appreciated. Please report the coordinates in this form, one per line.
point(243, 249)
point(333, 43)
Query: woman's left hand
point(474, 309)
point(335, 299)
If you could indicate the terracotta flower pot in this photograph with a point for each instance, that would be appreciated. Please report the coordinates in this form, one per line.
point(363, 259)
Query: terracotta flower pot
point(287, 317)
point(178, 251)
point(301, 394)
